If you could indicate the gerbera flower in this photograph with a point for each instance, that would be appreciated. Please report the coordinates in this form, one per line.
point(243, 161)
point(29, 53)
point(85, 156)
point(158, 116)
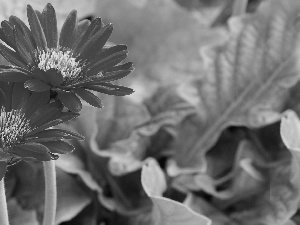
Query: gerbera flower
point(71, 66)
point(26, 119)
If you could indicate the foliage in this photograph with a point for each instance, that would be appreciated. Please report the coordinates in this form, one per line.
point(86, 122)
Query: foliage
point(209, 137)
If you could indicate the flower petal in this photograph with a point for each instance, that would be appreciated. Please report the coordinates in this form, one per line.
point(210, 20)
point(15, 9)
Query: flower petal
point(3, 166)
point(106, 63)
point(12, 56)
point(24, 47)
point(32, 150)
point(57, 133)
point(19, 24)
point(89, 97)
point(82, 27)
point(69, 30)
point(55, 78)
point(66, 116)
point(95, 43)
point(43, 114)
point(125, 66)
point(13, 75)
point(110, 89)
point(36, 28)
point(70, 101)
point(115, 75)
point(20, 96)
point(95, 26)
point(36, 85)
point(59, 147)
point(9, 33)
point(50, 26)
point(36, 100)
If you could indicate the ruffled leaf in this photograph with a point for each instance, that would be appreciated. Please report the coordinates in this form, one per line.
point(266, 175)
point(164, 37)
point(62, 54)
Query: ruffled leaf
point(247, 77)
point(290, 130)
point(166, 211)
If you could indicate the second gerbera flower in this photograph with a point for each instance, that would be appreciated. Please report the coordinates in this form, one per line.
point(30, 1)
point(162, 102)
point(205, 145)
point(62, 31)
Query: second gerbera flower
point(26, 119)
point(71, 66)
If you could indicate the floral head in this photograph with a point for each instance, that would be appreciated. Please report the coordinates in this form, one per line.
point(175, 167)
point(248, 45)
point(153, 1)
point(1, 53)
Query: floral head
point(71, 66)
point(26, 119)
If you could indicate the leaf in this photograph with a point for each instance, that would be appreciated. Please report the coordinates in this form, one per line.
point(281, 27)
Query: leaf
point(19, 216)
point(166, 211)
point(290, 130)
point(72, 198)
point(248, 77)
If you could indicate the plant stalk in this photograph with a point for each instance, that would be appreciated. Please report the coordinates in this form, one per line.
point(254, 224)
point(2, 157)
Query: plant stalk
point(50, 193)
point(3, 205)
point(239, 7)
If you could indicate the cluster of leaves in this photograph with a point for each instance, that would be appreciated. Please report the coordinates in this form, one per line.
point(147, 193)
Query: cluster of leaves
point(219, 146)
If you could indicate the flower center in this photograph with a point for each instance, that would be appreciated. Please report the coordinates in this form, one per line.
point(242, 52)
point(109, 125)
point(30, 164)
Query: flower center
point(13, 127)
point(62, 61)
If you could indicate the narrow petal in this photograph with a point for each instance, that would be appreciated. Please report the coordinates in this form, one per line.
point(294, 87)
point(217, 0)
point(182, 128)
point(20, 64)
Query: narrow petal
point(125, 66)
point(82, 27)
point(7, 88)
point(66, 116)
point(36, 100)
point(13, 75)
point(70, 101)
point(117, 49)
point(24, 47)
point(95, 26)
point(19, 24)
point(115, 75)
point(36, 28)
point(59, 147)
point(43, 115)
point(96, 43)
point(9, 33)
point(3, 166)
point(107, 62)
point(57, 133)
point(45, 126)
point(50, 26)
point(55, 78)
point(36, 85)
point(69, 30)
point(89, 97)
point(20, 96)
point(12, 56)
point(111, 89)
point(4, 38)
point(32, 150)
point(41, 75)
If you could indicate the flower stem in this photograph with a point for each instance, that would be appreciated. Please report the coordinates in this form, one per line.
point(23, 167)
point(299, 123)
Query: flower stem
point(3, 205)
point(50, 193)
point(239, 7)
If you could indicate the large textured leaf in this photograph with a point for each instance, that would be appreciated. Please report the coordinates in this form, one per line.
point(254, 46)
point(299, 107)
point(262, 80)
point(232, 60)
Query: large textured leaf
point(290, 130)
point(247, 77)
point(166, 211)
point(265, 192)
